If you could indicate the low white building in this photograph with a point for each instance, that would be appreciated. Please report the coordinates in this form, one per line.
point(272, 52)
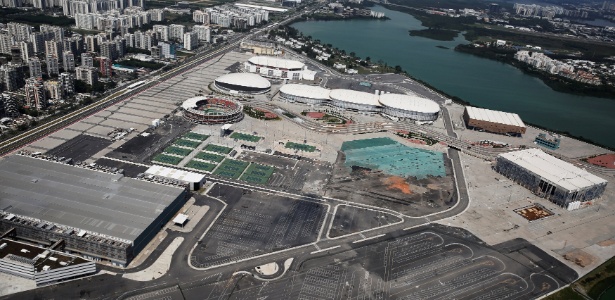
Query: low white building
point(546, 176)
point(195, 180)
point(274, 67)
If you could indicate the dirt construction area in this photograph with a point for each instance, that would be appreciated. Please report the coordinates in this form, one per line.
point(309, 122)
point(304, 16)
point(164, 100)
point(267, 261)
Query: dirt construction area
point(407, 195)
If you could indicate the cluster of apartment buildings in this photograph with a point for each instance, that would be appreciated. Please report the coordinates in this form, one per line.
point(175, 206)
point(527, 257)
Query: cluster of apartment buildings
point(549, 12)
point(118, 21)
point(338, 8)
point(44, 64)
point(71, 7)
point(160, 40)
point(542, 62)
point(231, 16)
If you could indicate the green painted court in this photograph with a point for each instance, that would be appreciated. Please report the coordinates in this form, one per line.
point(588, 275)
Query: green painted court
point(245, 137)
point(231, 168)
point(186, 143)
point(195, 136)
point(258, 174)
point(218, 149)
point(301, 147)
point(209, 156)
point(177, 151)
point(167, 159)
point(200, 165)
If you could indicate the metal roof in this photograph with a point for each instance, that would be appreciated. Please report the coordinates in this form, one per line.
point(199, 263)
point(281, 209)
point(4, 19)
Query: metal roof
point(190, 103)
point(409, 103)
point(90, 200)
point(494, 116)
point(306, 91)
point(245, 79)
point(175, 174)
point(556, 171)
point(274, 62)
point(356, 97)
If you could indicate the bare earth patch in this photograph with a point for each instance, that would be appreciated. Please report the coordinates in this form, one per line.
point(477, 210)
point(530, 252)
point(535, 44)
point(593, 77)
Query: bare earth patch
point(397, 183)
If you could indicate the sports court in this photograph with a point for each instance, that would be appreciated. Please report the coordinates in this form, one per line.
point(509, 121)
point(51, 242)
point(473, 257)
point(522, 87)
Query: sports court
point(167, 159)
point(177, 151)
point(210, 157)
point(218, 149)
point(258, 174)
point(231, 168)
point(245, 137)
point(195, 136)
point(186, 143)
point(394, 158)
point(300, 147)
point(200, 165)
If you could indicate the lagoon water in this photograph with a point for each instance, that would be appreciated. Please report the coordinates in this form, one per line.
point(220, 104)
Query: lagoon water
point(480, 81)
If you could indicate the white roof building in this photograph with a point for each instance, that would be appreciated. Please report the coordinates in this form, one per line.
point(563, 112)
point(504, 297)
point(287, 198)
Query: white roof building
point(274, 62)
point(243, 82)
point(355, 97)
point(409, 103)
point(306, 91)
point(556, 171)
point(494, 116)
point(195, 179)
point(398, 105)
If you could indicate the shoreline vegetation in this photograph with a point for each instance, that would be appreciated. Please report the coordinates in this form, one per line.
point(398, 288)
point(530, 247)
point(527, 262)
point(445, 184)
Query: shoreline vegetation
point(555, 82)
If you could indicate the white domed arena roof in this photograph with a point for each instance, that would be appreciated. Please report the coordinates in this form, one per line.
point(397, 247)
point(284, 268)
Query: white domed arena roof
point(409, 103)
point(249, 80)
point(355, 97)
point(305, 91)
point(275, 62)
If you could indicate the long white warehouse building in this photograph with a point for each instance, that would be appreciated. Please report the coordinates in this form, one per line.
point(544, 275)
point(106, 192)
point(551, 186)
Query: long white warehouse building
point(396, 105)
point(551, 178)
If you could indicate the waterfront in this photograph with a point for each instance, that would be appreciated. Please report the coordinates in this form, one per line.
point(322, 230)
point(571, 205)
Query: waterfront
point(480, 81)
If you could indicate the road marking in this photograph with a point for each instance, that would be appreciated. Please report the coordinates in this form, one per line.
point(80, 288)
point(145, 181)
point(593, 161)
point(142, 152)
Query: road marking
point(369, 238)
point(323, 250)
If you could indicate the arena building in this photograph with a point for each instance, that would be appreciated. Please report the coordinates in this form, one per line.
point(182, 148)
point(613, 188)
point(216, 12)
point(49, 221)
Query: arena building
point(308, 94)
point(101, 216)
point(493, 121)
point(551, 178)
point(396, 105)
point(409, 107)
point(354, 100)
point(212, 110)
point(242, 83)
point(278, 68)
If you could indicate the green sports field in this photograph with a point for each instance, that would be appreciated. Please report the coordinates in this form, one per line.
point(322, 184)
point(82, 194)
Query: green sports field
point(177, 151)
point(186, 143)
point(258, 174)
point(200, 165)
point(245, 137)
point(231, 168)
point(302, 147)
point(218, 149)
point(195, 136)
point(167, 159)
point(209, 156)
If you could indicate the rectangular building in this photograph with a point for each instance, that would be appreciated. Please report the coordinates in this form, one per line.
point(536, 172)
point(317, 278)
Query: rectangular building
point(493, 121)
point(195, 180)
point(550, 178)
point(42, 265)
point(101, 216)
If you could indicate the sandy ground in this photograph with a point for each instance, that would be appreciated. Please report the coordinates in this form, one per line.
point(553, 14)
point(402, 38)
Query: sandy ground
point(158, 268)
point(490, 216)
